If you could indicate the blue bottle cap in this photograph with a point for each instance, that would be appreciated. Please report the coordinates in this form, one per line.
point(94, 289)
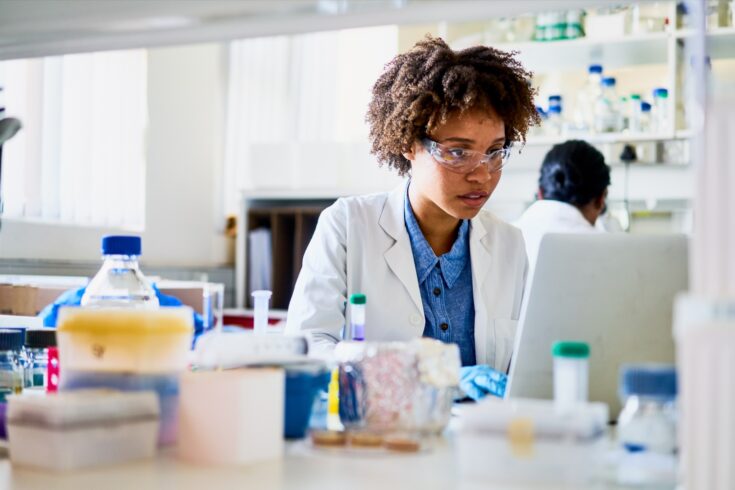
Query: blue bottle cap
point(645, 107)
point(554, 98)
point(595, 69)
point(12, 339)
point(608, 82)
point(555, 109)
point(121, 245)
point(660, 92)
point(651, 381)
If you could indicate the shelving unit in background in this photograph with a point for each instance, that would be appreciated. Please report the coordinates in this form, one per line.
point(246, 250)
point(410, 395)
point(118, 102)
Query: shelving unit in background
point(291, 220)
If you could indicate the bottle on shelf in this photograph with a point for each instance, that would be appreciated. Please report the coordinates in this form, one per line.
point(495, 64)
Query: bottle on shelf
point(607, 112)
point(660, 122)
point(119, 282)
point(555, 123)
point(574, 29)
point(633, 113)
point(584, 110)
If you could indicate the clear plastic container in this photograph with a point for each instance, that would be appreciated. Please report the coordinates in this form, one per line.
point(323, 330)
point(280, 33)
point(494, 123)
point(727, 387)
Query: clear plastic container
point(634, 113)
point(124, 340)
point(607, 111)
point(261, 299)
point(570, 374)
point(357, 316)
point(646, 430)
point(120, 283)
point(648, 419)
point(555, 122)
point(574, 24)
point(660, 116)
point(584, 111)
point(38, 343)
point(650, 17)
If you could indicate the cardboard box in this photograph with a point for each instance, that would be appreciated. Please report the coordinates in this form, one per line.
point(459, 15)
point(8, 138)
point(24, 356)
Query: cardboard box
point(27, 300)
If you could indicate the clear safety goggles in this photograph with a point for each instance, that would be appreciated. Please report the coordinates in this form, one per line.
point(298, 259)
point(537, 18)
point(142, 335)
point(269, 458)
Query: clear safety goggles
point(464, 161)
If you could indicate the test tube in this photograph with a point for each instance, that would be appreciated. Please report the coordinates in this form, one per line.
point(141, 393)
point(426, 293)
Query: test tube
point(261, 310)
point(357, 316)
point(571, 361)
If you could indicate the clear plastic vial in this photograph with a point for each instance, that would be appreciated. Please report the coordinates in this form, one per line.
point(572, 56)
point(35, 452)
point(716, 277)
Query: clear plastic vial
point(120, 283)
point(571, 361)
point(660, 116)
point(357, 316)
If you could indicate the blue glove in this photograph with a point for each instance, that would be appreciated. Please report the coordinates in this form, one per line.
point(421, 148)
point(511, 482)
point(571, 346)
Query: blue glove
point(73, 297)
point(478, 381)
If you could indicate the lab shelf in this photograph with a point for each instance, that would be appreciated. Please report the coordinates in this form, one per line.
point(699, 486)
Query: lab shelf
point(551, 56)
point(608, 138)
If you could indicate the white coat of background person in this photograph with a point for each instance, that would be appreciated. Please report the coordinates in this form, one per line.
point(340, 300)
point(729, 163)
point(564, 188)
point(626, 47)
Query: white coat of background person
point(572, 190)
point(437, 116)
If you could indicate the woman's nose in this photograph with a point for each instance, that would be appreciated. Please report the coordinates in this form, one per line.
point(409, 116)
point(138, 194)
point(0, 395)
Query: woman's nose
point(480, 174)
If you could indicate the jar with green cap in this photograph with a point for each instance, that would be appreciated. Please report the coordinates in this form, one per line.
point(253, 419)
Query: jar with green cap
point(357, 316)
point(570, 373)
point(38, 342)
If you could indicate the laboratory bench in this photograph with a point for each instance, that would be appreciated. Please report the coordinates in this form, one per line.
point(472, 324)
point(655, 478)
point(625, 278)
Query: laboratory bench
point(303, 467)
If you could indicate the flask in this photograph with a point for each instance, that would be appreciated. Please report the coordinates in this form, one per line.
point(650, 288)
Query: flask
point(119, 282)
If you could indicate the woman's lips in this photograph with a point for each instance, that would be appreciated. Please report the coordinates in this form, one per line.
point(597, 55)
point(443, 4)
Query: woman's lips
point(474, 199)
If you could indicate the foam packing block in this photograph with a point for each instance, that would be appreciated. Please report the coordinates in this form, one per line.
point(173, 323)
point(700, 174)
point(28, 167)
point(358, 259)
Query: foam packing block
point(231, 417)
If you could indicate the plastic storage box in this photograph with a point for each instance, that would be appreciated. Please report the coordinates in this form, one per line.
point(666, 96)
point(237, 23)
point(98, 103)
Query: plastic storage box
point(87, 428)
point(124, 340)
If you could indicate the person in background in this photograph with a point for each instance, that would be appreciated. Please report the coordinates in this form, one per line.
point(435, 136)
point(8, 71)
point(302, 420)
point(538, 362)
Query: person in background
point(429, 259)
point(571, 195)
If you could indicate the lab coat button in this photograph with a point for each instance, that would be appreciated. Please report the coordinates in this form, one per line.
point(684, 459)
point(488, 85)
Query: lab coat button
point(415, 319)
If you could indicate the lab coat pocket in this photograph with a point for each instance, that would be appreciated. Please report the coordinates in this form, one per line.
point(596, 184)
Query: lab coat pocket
point(504, 335)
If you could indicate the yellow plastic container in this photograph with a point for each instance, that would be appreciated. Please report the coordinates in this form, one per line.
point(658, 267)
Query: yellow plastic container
point(124, 340)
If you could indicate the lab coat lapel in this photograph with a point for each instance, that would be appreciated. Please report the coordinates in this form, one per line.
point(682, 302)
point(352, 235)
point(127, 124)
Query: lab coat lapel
point(399, 256)
point(481, 260)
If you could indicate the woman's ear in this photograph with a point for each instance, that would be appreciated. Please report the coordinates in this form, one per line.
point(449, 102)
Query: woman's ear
point(410, 154)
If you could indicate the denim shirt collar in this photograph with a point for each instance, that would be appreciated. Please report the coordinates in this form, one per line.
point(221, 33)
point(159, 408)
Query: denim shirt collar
point(451, 263)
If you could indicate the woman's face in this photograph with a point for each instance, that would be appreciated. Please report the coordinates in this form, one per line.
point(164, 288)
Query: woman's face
point(440, 190)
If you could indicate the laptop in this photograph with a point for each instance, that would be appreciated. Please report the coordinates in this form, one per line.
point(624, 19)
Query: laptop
point(614, 291)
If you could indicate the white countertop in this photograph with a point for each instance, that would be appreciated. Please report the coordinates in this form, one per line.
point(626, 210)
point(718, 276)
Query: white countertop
point(303, 467)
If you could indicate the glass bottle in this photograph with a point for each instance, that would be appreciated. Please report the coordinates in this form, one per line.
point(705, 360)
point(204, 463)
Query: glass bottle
point(648, 419)
point(119, 282)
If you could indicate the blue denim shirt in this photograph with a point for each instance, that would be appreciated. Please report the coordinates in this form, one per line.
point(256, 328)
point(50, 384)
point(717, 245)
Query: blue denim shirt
point(446, 287)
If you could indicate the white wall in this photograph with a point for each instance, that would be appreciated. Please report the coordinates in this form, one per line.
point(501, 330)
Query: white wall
point(184, 220)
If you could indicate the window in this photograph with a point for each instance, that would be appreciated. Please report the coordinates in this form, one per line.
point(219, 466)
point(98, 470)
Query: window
point(80, 156)
point(296, 109)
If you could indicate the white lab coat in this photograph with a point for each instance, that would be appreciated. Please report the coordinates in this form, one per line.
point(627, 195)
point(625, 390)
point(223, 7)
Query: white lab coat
point(548, 216)
point(361, 245)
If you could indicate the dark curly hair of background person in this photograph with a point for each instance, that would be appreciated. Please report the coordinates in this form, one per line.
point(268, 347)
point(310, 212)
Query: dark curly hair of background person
point(419, 89)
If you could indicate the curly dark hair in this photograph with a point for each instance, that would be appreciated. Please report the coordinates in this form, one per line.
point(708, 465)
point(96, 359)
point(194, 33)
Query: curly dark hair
point(419, 89)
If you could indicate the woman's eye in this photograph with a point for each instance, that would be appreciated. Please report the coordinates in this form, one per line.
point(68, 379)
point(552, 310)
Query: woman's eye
point(456, 152)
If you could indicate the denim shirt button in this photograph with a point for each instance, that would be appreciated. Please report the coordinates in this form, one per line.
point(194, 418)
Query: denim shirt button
point(444, 327)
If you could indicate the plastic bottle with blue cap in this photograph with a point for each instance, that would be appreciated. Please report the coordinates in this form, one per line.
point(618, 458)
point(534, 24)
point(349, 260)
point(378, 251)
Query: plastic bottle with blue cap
point(119, 282)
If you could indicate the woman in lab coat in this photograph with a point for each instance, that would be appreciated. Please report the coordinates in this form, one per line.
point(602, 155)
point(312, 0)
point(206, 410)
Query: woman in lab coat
point(429, 259)
point(571, 195)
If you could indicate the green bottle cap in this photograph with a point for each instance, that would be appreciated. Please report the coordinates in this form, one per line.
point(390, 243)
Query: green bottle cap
point(358, 299)
point(575, 350)
point(635, 96)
